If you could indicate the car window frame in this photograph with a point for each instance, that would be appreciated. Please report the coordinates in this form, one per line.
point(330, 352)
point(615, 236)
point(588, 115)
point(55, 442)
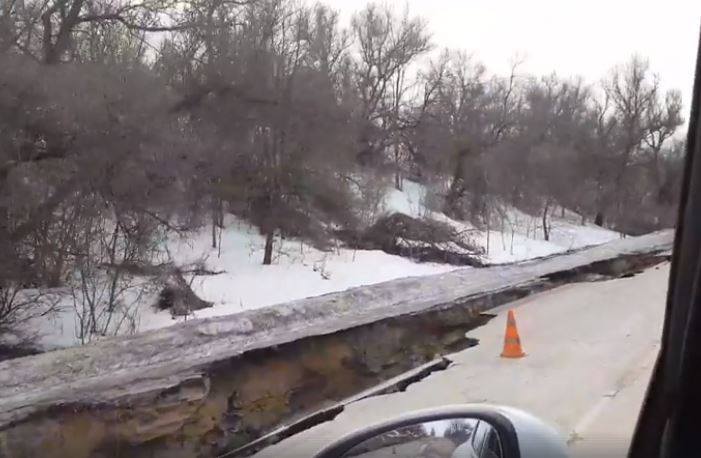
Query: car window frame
point(672, 404)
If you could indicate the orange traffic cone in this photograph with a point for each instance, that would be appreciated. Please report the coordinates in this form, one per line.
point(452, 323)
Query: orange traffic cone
point(512, 342)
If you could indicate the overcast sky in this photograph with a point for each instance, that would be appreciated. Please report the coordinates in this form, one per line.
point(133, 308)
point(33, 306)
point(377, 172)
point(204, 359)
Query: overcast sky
point(569, 37)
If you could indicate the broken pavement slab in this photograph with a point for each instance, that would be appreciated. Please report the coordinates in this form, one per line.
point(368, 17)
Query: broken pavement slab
point(152, 389)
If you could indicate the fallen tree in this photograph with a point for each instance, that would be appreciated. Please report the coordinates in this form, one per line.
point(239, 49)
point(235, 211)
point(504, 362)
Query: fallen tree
point(421, 239)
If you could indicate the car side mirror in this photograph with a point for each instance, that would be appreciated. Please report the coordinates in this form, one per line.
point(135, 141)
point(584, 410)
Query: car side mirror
point(454, 432)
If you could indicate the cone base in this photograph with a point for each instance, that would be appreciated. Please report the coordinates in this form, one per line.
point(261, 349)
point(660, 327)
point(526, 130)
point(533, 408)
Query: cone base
point(521, 355)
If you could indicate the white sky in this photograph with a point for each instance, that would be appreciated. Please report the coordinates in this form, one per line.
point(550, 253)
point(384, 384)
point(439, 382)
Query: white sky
point(569, 37)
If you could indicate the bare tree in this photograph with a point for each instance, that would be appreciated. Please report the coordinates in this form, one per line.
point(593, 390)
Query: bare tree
point(642, 118)
point(19, 306)
point(473, 114)
point(49, 30)
point(291, 61)
point(106, 294)
point(387, 45)
point(548, 147)
point(663, 118)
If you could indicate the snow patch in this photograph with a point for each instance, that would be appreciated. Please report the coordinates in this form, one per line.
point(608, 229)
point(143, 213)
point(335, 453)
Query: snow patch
point(514, 236)
point(216, 328)
point(409, 201)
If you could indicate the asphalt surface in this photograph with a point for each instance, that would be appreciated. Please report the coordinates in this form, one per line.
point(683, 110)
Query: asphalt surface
point(590, 349)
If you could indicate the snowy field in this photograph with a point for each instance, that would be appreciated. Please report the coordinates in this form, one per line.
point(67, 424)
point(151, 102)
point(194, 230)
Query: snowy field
point(300, 271)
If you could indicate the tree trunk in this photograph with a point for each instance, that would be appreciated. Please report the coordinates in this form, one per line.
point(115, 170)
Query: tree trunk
point(397, 169)
point(55, 274)
point(214, 230)
point(599, 218)
point(546, 229)
point(54, 50)
point(268, 255)
point(220, 214)
point(511, 247)
point(455, 192)
point(488, 238)
point(660, 183)
point(217, 220)
point(478, 206)
point(457, 187)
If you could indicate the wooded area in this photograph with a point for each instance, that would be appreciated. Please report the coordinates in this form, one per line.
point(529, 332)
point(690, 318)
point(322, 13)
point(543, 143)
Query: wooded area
point(123, 121)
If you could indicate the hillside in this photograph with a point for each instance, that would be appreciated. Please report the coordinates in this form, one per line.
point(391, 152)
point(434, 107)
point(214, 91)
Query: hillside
point(236, 280)
point(516, 237)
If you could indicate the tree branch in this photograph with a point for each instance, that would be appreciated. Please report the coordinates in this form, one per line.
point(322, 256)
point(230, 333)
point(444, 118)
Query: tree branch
point(117, 17)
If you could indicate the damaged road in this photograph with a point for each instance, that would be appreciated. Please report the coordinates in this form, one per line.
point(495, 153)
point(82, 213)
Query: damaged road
point(590, 346)
point(626, 267)
point(398, 384)
point(212, 386)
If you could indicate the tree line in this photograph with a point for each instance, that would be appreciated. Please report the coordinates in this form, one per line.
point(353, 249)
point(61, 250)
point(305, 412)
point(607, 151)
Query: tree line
point(123, 121)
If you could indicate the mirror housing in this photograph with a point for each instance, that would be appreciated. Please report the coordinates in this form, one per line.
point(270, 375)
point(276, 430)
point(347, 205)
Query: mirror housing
point(521, 435)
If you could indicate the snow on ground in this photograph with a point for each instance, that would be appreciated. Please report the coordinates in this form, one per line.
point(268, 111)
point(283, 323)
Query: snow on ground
point(61, 329)
point(411, 200)
point(522, 237)
point(515, 237)
point(300, 271)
